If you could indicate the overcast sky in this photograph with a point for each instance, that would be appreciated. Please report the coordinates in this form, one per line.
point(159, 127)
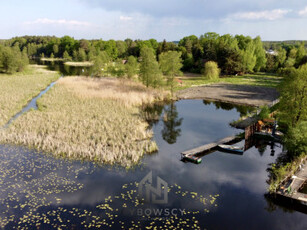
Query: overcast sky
point(159, 19)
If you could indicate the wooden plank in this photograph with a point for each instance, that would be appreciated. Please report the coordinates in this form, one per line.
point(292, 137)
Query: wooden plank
point(208, 147)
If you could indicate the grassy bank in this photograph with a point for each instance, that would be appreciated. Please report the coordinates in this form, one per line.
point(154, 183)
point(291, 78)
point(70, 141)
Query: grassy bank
point(257, 79)
point(85, 63)
point(93, 119)
point(17, 89)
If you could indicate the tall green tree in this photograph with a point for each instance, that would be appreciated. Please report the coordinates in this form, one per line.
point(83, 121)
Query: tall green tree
point(300, 54)
point(170, 63)
point(66, 56)
point(150, 73)
point(81, 56)
point(101, 63)
point(293, 100)
point(131, 67)
point(260, 55)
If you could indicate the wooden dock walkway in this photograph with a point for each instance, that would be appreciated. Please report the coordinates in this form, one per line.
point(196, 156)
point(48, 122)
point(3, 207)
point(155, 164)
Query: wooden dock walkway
point(297, 181)
point(208, 147)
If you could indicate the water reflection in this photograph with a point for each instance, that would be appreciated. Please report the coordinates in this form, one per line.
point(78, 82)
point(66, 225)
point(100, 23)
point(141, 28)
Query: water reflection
point(42, 192)
point(243, 110)
point(171, 129)
point(65, 70)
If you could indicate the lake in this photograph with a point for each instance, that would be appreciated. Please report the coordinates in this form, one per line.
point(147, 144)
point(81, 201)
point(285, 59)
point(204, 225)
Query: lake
point(225, 191)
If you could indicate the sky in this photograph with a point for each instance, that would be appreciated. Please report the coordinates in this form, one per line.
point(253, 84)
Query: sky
point(159, 19)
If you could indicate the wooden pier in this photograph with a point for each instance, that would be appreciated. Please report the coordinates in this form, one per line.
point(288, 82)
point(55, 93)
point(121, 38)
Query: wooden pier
point(297, 180)
point(208, 147)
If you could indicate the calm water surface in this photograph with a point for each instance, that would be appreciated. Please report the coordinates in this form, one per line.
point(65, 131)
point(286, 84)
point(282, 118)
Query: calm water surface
point(40, 191)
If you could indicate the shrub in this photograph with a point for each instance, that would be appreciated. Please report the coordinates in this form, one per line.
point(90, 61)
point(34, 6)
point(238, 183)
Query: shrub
point(211, 70)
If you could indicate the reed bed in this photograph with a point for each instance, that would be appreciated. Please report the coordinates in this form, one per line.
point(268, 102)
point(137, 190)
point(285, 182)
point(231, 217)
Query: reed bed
point(17, 89)
point(93, 119)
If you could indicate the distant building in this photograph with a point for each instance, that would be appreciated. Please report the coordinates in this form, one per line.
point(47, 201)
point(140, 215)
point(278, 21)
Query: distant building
point(272, 52)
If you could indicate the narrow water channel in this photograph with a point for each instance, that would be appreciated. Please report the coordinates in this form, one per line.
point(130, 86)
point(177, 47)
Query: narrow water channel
point(31, 105)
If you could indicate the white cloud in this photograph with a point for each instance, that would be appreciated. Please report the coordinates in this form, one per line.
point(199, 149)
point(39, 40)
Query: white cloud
point(261, 15)
point(125, 18)
point(46, 21)
point(303, 12)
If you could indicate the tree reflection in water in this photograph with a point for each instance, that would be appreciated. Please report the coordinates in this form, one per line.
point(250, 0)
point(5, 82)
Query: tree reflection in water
point(242, 109)
point(171, 122)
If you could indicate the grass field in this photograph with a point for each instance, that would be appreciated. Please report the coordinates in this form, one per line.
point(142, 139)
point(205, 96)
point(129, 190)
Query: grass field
point(17, 89)
point(91, 119)
point(257, 79)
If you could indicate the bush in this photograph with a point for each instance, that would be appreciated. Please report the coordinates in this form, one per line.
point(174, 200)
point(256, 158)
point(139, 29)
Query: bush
point(211, 70)
point(265, 112)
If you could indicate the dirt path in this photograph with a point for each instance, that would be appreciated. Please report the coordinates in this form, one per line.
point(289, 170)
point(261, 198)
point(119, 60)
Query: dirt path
point(238, 94)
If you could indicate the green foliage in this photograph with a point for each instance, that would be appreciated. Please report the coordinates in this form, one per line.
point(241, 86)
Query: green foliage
point(12, 60)
point(265, 112)
point(81, 55)
point(293, 100)
point(170, 64)
point(66, 56)
point(285, 167)
point(100, 63)
point(150, 73)
point(260, 55)
point(117, 69)
point(131, 67)
point(296, 139)
point(211, 70)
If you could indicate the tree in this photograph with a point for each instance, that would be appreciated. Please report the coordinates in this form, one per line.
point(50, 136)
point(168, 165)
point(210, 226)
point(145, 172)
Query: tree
point(8, 60)
point(100, 63)
point(12, 60)
point(131, 67)
point(170, 64)
point(247, 52)
point(55, 49)
point(81, 55)
point(296, 139)
point(293, 100)
point(211, 70)
point(260, 55)
point(66, 56)
point(301, 53)
point(150, 73)
point(281, 57)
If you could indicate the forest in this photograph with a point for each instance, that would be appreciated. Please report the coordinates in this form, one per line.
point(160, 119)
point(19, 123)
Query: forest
point(233, 54)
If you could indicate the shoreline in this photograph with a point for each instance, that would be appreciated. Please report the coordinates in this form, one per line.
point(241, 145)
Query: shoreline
point(230, 93)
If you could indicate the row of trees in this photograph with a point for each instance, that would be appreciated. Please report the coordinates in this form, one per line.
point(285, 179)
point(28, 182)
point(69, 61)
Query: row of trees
point(151, 72)
point(286, 56)
point(234, 54)
point(12, 59)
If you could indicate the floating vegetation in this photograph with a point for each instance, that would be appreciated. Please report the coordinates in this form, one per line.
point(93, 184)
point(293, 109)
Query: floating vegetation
point(34, 188)
point(31, 181)
point(92, 119)
point(17, 89)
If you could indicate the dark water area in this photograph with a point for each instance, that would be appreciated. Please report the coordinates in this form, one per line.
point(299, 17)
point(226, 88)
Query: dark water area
point(65, 70)
point(225, 191)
